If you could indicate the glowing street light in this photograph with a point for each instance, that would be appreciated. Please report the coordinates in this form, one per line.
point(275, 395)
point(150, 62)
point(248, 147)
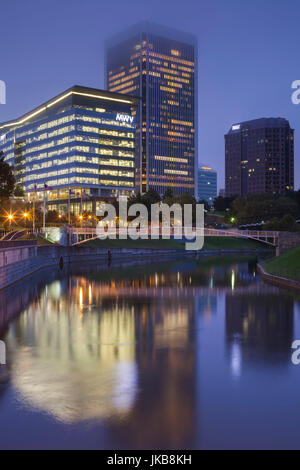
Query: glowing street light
point(10, 218)
point(25, 215)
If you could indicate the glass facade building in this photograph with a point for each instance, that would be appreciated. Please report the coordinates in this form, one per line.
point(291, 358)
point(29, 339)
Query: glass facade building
point(82, 141)
point(207, 184)
point(160, 66)
point(259, 157)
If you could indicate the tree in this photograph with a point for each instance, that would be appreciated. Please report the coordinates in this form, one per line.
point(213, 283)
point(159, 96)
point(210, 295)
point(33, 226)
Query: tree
point(7, 179)
point(222, 204)
point(205, 203)
point(261, 208)
point(168, 194)
point(19, 191)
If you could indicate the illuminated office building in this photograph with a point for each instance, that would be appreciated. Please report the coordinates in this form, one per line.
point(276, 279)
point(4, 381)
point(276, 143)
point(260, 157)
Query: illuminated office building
point(82, 141)
point(207, 184)
point(160, 66)
point(259, 157)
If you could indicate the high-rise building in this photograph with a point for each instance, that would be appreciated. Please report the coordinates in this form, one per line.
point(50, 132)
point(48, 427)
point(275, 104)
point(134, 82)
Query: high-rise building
point(259, 157)
point(82, 142)
point(207, 184)
point(159, 65)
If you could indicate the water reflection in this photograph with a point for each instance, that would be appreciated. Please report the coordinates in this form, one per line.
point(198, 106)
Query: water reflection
point(260, 326)
point(140, 350)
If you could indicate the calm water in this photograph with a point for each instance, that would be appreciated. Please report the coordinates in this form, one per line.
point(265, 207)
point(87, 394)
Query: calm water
point(182, 354)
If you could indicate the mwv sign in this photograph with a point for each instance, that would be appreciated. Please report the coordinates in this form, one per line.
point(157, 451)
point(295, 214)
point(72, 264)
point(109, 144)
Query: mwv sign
point(124, 118)
point(2, 92)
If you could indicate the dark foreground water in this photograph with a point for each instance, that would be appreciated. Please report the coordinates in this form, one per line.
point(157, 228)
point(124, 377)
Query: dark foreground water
point(180, 355)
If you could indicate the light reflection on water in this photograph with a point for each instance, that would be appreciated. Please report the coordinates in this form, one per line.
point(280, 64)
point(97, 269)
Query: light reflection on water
point(173, 355)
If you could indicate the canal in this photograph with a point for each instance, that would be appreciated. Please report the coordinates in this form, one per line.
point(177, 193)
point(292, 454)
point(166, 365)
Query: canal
point(185, 354)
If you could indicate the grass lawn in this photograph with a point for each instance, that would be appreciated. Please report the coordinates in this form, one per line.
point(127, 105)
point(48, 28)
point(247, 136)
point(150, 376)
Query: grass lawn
point(286, 265)
point(211, 243)
point(41, 241)
point(227, 243)
point(136, 244)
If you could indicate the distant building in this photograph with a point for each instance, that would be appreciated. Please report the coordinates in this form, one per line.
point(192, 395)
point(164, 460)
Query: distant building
point(82, 141)
point(222, 193)
point(207, 184)
point(159, 65)
point(259, 157)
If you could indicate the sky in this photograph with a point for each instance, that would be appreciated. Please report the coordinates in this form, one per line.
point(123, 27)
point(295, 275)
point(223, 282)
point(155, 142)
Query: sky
point(249, 55)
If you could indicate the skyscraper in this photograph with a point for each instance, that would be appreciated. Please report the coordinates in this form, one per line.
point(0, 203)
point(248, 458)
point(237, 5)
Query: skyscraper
point(259, 157)
point(207, 184)
point(159, 65)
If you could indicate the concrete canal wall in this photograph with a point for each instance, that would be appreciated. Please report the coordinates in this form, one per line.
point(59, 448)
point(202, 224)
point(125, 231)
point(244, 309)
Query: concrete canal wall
point(20, 259)
point(17, 262)
point(278, 281)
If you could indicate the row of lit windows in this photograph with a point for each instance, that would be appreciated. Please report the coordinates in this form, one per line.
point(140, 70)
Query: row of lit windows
point(45, 135)
point(170, 159)
point(45, 155)
point(120, 87)
point(65, 140)
point(116, 143)
point(183, 123)
point(171, 59)
point(128, 174)
point(113, 162)
point(114, 82)
point(117, 183)
point(176, 172)
point(65, 171)
point(46, 125)
point(81, 159)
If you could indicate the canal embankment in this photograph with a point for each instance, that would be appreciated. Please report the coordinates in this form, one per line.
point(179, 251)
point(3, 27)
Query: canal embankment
point(23, 258)
point(283, 271)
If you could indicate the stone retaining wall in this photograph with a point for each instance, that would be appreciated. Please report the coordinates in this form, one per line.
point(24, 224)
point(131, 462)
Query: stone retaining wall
point(278, 281)
point(20, 264)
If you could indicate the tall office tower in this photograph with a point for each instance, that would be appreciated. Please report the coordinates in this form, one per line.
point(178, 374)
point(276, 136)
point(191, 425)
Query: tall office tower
point(160, 66)
point(259, 157)
point(79, 145)
point(207, 184)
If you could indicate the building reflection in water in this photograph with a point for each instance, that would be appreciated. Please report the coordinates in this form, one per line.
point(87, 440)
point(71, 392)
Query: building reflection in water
point(123, 346)
point(259, 328)
point(81, 352)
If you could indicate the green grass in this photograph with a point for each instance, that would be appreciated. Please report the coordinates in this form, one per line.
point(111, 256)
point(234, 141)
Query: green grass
point(286, 265)
point(136, 244)
point(41, 240)
point(227, 243)
point(211, 243)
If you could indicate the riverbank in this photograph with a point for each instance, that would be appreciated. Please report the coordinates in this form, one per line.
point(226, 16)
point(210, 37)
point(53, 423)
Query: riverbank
point(284, 270)
point(17, 266)
point(210, 244)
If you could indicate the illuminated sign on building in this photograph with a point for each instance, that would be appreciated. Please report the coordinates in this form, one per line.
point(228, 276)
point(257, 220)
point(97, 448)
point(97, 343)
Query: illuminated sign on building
point(124, 118)
point(236, 128)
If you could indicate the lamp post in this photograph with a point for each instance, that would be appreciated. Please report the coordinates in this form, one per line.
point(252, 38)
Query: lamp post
point(25, 215)
point(10, 219)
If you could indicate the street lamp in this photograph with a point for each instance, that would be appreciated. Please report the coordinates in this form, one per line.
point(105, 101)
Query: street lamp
point(10, 218)
point(25, 215)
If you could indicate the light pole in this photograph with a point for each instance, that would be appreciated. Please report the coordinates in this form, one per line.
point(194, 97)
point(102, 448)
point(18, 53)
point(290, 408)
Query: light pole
point(25, 215)
point(10, 218)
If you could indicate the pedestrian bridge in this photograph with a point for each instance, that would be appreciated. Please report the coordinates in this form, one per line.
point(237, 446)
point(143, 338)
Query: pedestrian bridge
point(269, 238)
